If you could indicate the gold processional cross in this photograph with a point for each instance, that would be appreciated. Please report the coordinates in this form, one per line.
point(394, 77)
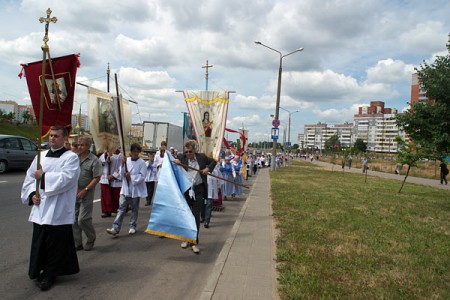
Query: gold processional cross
point(47, 23)
point(206, 74)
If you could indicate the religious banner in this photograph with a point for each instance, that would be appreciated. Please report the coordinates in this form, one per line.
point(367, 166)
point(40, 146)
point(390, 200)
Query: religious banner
point(171, 216)
point(188, 128)
point(103, 120)
point(59, 90)
point(208, 111)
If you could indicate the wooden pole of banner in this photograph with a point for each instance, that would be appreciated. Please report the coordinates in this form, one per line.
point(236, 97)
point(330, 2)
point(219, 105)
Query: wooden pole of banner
point(45, 50)
point(218, 177)
point(120, 124)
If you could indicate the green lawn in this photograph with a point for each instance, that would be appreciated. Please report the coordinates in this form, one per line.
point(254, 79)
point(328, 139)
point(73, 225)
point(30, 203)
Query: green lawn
point(342, 238)
point(29, 131)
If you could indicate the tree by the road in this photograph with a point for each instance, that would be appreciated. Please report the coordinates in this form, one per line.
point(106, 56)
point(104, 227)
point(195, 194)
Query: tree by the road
point(428, 124)
point(360, 146)
point(332, 142)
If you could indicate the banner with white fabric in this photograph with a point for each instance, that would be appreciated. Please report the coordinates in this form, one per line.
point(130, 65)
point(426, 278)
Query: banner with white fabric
point(171, 216)
point(103, 122)
point(208, 111)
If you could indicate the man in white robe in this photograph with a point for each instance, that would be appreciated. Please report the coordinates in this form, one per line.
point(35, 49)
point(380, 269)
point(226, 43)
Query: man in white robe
point(53, 211)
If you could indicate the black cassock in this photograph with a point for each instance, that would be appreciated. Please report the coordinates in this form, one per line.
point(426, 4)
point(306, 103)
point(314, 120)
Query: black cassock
point(53, 248)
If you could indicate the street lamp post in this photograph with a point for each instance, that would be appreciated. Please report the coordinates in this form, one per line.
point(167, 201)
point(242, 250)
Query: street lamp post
point(289, 124)
point(277, 107)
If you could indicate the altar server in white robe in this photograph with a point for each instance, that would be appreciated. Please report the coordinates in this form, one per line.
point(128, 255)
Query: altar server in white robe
point(53, 211)
point(133, 189)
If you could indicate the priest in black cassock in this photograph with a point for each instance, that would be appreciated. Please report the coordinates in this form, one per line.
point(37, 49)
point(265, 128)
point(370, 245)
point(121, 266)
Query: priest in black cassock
point(53, 211)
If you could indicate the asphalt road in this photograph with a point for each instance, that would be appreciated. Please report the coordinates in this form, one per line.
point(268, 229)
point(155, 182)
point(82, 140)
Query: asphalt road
point(141, 266)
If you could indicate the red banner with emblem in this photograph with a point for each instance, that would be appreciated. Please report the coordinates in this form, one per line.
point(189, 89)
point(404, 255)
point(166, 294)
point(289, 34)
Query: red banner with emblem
point(58, 91)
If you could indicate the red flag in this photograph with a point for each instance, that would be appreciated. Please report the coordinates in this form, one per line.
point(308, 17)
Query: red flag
point(58, 94)
point(243, 139)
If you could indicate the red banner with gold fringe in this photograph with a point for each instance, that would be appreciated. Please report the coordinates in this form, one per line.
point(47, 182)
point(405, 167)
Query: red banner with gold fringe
point(58, 91)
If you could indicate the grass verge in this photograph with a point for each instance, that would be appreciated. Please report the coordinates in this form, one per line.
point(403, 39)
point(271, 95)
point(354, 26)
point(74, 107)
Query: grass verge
point(342, 238)
point(29, 131)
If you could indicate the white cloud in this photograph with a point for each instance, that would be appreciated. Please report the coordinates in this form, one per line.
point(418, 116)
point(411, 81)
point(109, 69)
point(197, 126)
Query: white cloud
point(390, 71)
point(331, 87)
point(361, 51)
point(136, 78)
point(429, 36)
point(333, 115)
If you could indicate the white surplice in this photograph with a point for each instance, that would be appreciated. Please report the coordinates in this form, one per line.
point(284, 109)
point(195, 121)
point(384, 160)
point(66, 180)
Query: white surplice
point(135, 187)
point(57, 205)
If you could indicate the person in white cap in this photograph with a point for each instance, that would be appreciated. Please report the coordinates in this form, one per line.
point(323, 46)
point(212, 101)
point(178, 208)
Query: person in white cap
point(172, 151)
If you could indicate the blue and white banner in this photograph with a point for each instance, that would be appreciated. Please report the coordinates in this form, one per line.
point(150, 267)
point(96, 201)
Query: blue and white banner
point(171, 216)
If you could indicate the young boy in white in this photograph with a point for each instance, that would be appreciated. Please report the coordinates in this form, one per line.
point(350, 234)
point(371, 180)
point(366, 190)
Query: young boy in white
point(133, 188)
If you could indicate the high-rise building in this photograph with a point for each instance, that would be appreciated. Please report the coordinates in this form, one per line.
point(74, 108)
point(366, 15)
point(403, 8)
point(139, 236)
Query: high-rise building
point(375, 124)
point(316, 135)
point(418, 94)
point(81, 120)
point(8, 106)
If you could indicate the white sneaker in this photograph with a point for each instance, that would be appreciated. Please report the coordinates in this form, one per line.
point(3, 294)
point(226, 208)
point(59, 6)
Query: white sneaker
point(184, 244)
point(112, 232)
point(195, 249)
point(131, 231)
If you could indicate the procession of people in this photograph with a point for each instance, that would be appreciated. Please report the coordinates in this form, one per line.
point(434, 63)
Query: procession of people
point(63, 205)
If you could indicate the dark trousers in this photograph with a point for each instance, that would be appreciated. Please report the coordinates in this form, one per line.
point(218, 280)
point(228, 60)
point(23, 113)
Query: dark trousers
point(206, 210)
point(443, 178)
point(196, 204)
point(150, 191)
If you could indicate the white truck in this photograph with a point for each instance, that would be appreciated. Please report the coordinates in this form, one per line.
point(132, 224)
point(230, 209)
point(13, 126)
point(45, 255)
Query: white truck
point(156, 132)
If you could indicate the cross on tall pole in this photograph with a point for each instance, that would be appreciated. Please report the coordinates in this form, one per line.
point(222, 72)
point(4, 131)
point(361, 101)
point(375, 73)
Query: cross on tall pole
point(47, 23)
point(45, 52)
point(206, 74)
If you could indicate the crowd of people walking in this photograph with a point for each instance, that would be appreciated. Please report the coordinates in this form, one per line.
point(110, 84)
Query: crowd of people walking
point(62, 206)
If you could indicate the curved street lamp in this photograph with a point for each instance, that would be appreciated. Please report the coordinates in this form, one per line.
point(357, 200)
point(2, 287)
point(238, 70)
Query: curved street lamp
point(277, 107)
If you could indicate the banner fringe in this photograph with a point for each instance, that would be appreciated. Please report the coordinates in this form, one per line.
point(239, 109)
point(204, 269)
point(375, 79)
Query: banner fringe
point(171, 236)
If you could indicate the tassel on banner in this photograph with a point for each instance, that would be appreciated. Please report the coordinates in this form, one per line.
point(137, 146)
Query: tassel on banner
point(21, 71)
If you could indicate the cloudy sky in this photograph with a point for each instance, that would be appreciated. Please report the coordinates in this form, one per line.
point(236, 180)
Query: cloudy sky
point(354, 52)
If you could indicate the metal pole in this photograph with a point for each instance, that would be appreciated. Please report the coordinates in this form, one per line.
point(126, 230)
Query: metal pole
point(277, 108)
point(277, 112)
point(289, 130)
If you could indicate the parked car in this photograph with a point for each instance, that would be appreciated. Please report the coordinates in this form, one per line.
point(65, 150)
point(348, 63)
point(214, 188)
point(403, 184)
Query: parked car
point(16, 152)
point(45, 145)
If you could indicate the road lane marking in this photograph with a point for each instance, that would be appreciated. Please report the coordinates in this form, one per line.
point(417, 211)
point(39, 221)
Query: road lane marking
point(3, 181)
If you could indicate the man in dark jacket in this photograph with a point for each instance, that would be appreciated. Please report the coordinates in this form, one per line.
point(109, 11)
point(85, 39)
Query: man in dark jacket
point(204, 164)
point(444, 172)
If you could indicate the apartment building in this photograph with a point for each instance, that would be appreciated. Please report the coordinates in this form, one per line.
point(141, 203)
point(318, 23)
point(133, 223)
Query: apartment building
point(374, 124)
point(418, 94)
point(315, 135)
point(81, 121)
point(8, 106)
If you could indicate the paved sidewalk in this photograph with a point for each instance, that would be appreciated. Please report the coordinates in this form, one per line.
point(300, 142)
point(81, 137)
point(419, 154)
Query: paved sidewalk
point(245, 268)
point(417, 180)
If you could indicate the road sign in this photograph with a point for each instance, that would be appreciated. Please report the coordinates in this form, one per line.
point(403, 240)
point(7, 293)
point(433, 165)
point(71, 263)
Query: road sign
point(275, 123)
point(275, 132)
